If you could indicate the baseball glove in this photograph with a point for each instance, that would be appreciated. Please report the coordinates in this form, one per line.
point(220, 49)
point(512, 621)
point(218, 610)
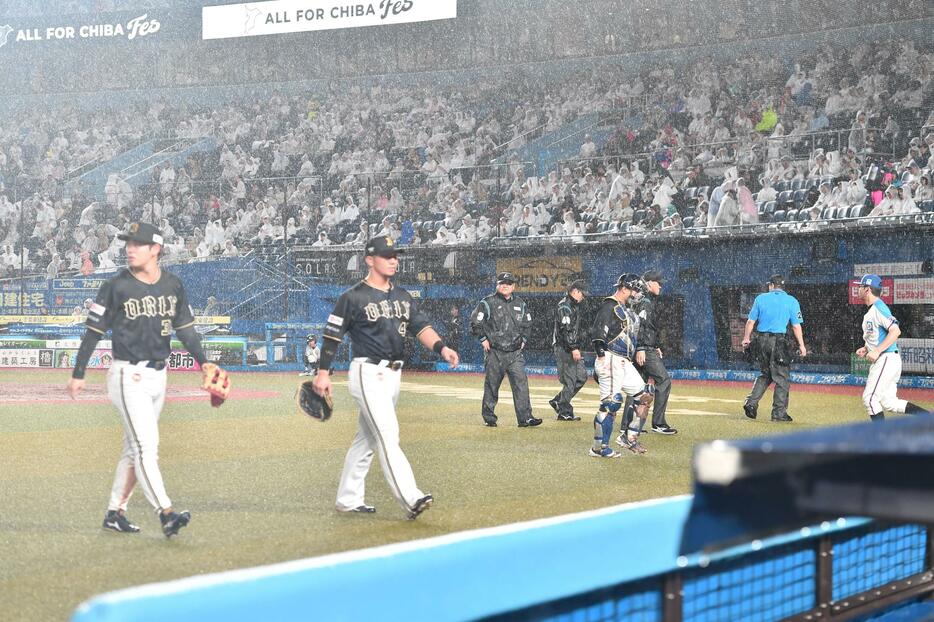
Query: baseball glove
point(215, 381)
point(312, 404)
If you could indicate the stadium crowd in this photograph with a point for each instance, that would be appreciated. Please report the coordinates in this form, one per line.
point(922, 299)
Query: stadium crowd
point(704, 145)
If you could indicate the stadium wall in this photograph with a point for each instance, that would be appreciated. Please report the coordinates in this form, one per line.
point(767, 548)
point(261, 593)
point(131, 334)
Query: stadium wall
point(520, 572)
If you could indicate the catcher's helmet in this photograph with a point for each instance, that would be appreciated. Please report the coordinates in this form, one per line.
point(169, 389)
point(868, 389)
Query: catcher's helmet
point(630, 281)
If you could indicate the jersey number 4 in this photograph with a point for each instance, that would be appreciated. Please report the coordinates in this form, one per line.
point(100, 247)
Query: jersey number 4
point(166, 328)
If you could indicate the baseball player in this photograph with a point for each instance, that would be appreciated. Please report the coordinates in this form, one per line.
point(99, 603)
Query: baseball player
point(614, 338)
point(502, 322)
point(880, 336)
point(567, 339)
point(378, 316)
point(312, 354)
point(140, 305)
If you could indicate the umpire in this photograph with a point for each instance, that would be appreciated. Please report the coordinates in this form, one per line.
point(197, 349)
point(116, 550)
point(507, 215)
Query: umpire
point(567, 339)
point(770, 315)
point(502, 323)
point(648, 358)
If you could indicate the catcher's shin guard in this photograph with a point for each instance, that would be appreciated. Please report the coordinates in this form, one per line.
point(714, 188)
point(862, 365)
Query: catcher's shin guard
point(603, 428)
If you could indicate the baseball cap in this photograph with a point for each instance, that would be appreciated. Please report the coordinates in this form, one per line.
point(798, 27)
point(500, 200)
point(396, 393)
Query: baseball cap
point(653, 275)
point(871, 280)
point(382, 246)
point(777, 280)
point(578, 284)
point(505, 277)
point(141, 232)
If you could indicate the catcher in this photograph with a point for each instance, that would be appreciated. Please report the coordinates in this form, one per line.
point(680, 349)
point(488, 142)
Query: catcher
point(141, 305)
point(378, 316)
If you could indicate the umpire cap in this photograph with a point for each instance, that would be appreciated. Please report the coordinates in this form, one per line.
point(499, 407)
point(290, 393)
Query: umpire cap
point(382, 246)
point(141, 232)
point(653, 275)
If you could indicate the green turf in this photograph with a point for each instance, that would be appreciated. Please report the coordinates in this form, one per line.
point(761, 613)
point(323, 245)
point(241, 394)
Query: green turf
point(260, 479)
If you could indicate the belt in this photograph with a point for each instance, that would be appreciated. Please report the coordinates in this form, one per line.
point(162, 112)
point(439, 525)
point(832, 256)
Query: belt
point(393, 365)
point(157, 365)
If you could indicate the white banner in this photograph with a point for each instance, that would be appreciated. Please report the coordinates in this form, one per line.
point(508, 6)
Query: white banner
point(904, 268)
point(251, 19)
point(914, 291)
point(917, 355)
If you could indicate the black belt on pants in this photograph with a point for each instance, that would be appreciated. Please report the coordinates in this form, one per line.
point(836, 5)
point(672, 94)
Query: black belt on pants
point(393, 365)
point(157, 365)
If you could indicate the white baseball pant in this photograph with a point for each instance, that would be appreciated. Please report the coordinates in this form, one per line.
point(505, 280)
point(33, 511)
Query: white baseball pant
point(617, 374)
point(376, 389)
point(882, 385)
point(138, 392)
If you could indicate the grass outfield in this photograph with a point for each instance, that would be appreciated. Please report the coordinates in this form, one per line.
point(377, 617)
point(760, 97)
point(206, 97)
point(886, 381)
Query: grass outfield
point(260, 479)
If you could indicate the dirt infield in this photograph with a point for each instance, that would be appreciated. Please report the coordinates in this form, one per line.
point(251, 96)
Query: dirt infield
point(96, 393)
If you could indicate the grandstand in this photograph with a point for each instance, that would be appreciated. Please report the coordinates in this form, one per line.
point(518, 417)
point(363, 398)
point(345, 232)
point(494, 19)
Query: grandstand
point(716, 141)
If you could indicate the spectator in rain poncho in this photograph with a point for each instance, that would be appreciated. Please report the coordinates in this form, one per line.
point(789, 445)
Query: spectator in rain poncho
point(728, 212)
point(749, 212)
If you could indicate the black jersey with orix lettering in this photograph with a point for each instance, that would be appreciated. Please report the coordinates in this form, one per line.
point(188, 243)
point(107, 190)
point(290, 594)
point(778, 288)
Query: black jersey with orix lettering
point(140, 316)
point(377, 320)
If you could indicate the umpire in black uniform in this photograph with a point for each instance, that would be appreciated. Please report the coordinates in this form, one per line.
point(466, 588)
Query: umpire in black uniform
point(648, 358)
point(502, 323)
point(567, 341)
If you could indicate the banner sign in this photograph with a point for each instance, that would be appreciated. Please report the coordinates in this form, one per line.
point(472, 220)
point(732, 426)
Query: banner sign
point(61, 353)
point(251, 19)
point(904, 268)
point(542, 275)
point(79, 28)
point(888, 289)
point(914, 291)
point(917, 355)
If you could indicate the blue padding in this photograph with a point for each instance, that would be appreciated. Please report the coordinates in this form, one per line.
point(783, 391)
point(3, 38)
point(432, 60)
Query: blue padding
point(455, 577)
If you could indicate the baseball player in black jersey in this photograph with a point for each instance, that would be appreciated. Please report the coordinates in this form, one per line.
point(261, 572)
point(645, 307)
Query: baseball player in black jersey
point(572, 372)
point(615, 338)
point(502, 323)
point(140, 305)
point(378, 316)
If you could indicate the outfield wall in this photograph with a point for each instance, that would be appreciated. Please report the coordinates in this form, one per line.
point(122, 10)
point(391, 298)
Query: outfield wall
point(615, 563)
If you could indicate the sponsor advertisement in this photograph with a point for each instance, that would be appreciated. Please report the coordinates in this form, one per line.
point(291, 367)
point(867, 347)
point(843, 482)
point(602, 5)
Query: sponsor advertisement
point(904, 268)
point(541, 274)
point(79, 28)
point(917, 355)
point(914, 291)
point(251, 19)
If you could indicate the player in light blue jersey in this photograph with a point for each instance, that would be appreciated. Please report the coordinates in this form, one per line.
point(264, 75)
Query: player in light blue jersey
point(880, 336)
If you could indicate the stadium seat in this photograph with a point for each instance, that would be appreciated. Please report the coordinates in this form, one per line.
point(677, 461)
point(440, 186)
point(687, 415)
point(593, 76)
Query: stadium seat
point(438, 224)
point(785, 197)
point(812, 182)
point(856, 211)
point(827, 179)
point(797, 184)
point(926, 206)
point(781, 186)
point(778, 216)
point(791, 215)
point(703, 191)
point(770, 207)
point(828, 213)
point(349, 238)
point(522, 232)
point(688, 222)
point(800, 196)
point(601, 227)
point(639, 216)
point(804, 215)
point(690, 193)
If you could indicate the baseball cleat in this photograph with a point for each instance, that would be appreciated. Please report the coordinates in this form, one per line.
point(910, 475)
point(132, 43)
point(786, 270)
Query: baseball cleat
point(621, 440)
point(664, 429)
point(360, 509)
point(604, 452)
point(173, 522)
point(115, 521)
point(634, 446)
point(568, 418)
point(531, 422)
point(490, 424)
point(553, 402)
point(750, 410)
point(420, 506)
point(783, 419)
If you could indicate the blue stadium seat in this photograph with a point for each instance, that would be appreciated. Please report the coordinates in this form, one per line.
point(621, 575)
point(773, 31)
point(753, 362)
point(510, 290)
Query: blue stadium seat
point(690, 193)
point(601, 227)
point(813, 182)
point(804, 215)
point(797, 184)
point(770, 207)
point(856, 211)
point(778, 216)
point(522, 231)
point(349, 238)
point(791, 215)
point(688, 222)
point(800, 196)
point(827, 179)
point(828, 213)
point(781, 186)
point(926, 206)
point(439, 224)
point(639, 216)
point(703, 191)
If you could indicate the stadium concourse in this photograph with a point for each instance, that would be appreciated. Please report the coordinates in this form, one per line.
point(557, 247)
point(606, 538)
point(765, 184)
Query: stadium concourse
point(832, 132)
